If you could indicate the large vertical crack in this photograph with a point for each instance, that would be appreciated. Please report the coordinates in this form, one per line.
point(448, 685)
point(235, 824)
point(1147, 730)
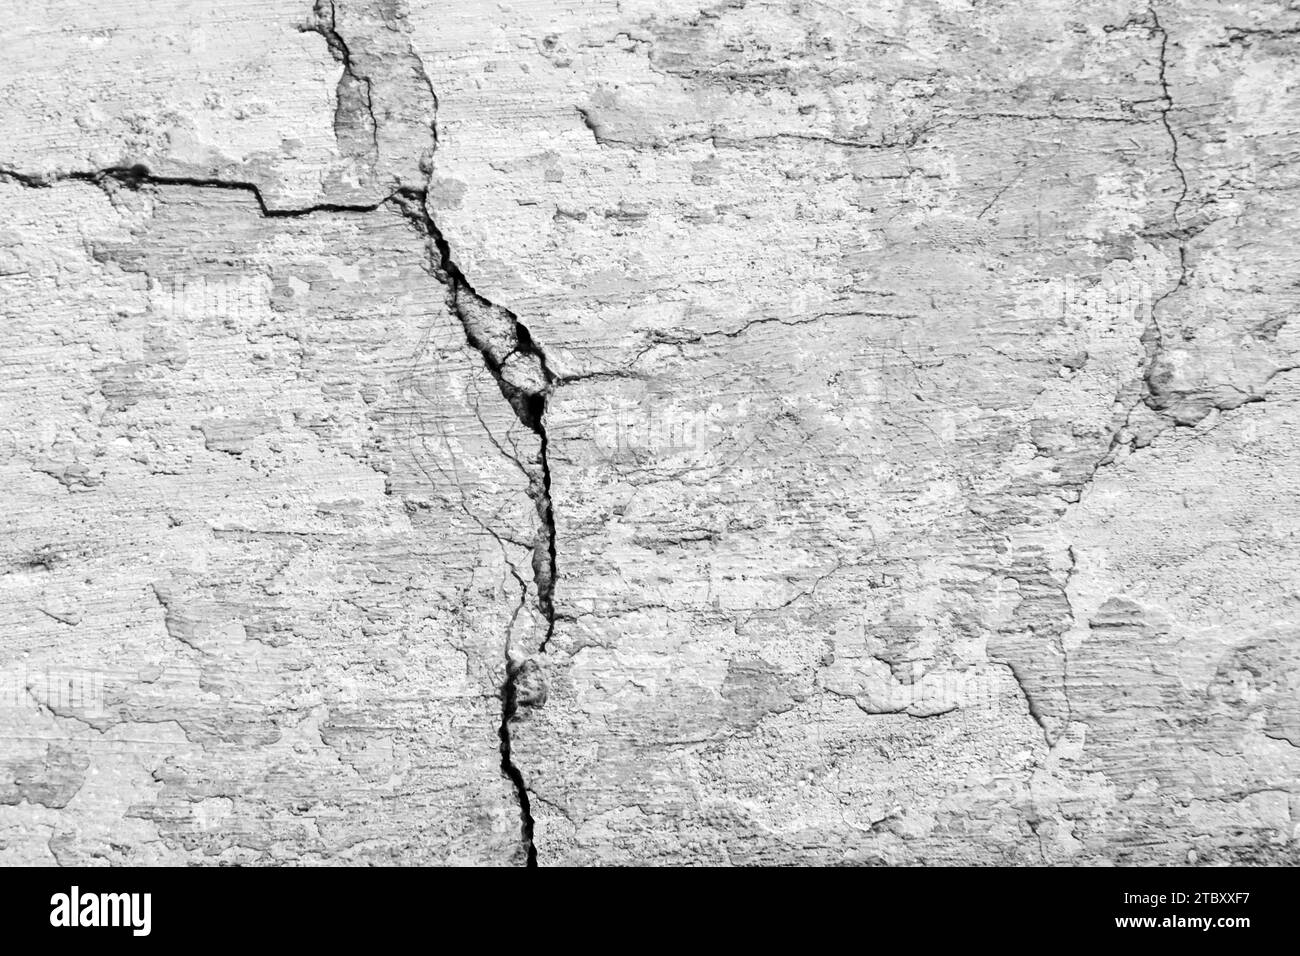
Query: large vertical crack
point(519, 367)
point(1155, 339)
point(1147, 391)
point(522, 373)
point(509, 707)
point(513, 358)
point(516, 362)
point(1152, 393)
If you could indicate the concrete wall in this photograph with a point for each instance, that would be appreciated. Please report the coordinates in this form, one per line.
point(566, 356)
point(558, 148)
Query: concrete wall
point(649, 432)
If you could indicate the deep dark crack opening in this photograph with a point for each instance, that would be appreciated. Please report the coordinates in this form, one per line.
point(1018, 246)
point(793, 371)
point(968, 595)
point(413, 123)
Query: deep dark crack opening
point(522, 373)
point(515, 361)
point(509, 707)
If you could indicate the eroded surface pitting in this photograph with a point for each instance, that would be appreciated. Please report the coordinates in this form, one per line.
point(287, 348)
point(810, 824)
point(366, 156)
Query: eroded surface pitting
point(914, 414)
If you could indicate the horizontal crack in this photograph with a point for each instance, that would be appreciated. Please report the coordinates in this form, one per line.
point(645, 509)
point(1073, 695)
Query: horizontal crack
point(133, 177)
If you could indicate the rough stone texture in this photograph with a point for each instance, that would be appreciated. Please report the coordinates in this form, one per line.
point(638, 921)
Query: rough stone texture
point(650, 432)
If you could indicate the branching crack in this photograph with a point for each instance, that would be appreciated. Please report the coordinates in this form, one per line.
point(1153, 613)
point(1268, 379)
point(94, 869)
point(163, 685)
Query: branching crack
point(516, 362)
point(521, 371)
point(1153, 339)
point(527, 382)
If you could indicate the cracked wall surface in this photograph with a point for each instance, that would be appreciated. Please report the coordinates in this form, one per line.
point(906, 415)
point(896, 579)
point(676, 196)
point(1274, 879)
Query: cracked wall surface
point(650, 432)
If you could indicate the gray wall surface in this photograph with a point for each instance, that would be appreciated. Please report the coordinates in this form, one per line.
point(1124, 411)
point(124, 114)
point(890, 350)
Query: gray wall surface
point(592, 432)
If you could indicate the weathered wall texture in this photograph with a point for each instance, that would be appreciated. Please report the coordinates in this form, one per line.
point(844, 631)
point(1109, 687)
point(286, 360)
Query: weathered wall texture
point(623, 432)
